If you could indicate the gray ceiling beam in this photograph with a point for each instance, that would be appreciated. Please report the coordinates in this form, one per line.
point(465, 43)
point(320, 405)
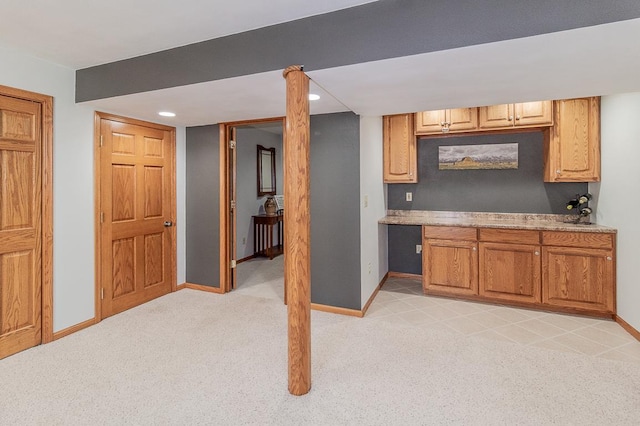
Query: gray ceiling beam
point(374, 31)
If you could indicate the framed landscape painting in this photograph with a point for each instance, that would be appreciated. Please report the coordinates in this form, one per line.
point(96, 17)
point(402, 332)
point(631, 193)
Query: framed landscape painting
point(475, 157)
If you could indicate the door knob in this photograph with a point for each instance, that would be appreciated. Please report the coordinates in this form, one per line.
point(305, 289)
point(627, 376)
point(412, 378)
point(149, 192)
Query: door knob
point(168, 223)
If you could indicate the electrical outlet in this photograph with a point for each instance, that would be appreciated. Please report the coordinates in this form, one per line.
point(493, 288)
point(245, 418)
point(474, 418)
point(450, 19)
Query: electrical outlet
point(366, 201)
point(418, 248)
point(409, 196)
point(369, 268)
point(244, 241)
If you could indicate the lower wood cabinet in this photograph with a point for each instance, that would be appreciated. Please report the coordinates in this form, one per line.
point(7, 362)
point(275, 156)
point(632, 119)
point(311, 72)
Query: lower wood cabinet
point(510, 264)
point(450, 260)
point(450, 266)
point(580, 272)
point(510, 272)
point(557, 270)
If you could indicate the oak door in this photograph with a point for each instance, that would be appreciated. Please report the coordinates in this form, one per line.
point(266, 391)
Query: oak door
point(137, 199)
point(20, 225)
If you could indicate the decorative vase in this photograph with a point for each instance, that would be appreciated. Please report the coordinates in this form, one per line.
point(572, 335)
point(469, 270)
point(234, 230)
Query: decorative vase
point(270, 206)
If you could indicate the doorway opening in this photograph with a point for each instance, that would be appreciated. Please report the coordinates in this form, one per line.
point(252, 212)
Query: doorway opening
point(252, 216)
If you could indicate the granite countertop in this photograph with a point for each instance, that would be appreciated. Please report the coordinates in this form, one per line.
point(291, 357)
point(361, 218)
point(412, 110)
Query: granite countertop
point(541, 222)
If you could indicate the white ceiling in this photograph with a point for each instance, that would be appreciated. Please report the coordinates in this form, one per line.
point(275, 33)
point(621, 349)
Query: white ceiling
point(233, 99)
point(589, 61)
point(592, 61)
point(83, 33)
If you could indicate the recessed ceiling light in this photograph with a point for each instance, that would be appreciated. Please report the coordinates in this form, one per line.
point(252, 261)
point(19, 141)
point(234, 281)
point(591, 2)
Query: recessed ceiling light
point(313, 97)
point(167, 114)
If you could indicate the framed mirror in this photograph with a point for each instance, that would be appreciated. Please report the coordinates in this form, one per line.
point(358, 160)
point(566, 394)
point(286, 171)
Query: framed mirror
point(266, 171)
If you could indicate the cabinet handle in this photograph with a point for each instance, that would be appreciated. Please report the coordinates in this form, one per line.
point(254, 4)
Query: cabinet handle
point(537, 253)
point(558, 171)
point(442, 123)
point(511, 118)
point(517, 117)
point(609, 258)
point(474, 249)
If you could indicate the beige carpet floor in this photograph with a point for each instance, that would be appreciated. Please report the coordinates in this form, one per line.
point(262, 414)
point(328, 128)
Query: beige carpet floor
point(199, 358)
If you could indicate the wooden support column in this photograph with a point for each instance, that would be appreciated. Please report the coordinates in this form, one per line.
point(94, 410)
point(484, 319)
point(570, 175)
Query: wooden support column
point(297, 246)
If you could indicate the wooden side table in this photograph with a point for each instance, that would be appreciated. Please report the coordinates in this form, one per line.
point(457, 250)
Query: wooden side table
point(263, 235)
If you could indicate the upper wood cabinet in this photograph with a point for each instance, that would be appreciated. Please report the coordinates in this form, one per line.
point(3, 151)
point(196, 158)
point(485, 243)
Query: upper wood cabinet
point(525, 114)
point(572, 146)
point(399, 149)
point(446, 121)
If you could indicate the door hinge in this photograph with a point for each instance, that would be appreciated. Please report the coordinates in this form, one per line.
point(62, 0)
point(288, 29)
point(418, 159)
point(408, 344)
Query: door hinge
point(102, 293)
point(233, 204)
point(233, 264)
point(232, 144)
point(101, 217)
point(101, 140)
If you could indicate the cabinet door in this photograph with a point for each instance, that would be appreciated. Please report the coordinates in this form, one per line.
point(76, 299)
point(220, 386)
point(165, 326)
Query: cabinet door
point(510, 272)
point(576, 277)
point(430, 122)
point(534, 113)
point(462, 119)
point(450, 267)
point(399, 145)
point(496, 116)
point(572, 146)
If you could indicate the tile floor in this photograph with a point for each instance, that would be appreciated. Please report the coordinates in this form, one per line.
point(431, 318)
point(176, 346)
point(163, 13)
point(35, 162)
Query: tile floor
point(401, 301)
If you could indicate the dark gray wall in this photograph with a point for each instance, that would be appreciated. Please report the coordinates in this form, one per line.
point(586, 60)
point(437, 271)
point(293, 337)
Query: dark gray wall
point(507, 191)
point(203, 216)
point(335, 210)
point(402, 242)
point(247, 201)
point(513, 191)
point(374, 31)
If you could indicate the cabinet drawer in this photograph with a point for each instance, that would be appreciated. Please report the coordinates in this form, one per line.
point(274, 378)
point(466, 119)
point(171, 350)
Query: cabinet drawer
point(577, 239)
point(515, 236)
point(450, 233)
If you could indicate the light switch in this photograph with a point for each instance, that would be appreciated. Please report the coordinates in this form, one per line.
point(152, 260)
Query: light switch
point(418, 248)
point(409, 196)
point(366, 201)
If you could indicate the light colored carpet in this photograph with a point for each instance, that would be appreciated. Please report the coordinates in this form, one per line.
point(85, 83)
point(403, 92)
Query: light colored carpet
point(200, 358)
point(261, 277)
